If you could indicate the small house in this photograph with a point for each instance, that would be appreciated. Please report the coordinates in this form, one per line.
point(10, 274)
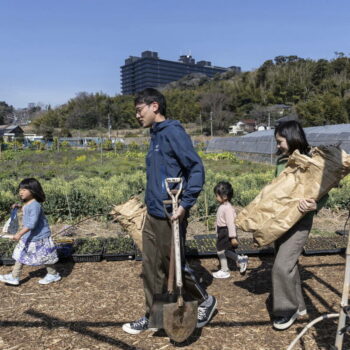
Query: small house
point(10, 132)
point(243, 127)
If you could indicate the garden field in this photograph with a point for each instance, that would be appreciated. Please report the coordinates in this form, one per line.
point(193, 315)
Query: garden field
point(86, 309)
point(85, 183)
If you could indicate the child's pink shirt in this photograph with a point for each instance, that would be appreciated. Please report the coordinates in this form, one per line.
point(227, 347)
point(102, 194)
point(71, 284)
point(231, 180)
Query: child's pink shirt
point(225, 216)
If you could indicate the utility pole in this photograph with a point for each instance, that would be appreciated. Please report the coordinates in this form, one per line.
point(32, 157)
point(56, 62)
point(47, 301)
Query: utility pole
point(101, 144)
point(200, 118)
point(109, 126)
point(211, 124)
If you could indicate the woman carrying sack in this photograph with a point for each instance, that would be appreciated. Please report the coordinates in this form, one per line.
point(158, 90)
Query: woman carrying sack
point(288, 301)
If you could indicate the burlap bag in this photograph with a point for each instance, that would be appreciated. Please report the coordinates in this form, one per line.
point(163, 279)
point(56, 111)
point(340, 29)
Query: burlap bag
point(275, 210)
point(131, 215)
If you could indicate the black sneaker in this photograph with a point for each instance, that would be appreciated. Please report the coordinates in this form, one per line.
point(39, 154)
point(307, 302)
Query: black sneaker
point(285, 322)
point(205, 313)
point(136, 327)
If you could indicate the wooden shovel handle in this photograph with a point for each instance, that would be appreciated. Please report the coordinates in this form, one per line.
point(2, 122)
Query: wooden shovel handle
point(171, 268)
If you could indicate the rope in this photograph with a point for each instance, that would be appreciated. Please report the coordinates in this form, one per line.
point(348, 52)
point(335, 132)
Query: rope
point(76, 224)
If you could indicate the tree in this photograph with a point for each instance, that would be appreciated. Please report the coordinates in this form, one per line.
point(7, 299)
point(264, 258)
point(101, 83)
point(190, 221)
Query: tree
point(5, 111)
point(320, 71)
point(215, 104)
point(261, 75)
point(182, 105)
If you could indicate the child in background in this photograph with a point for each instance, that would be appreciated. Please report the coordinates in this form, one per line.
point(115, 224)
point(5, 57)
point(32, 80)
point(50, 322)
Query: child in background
point(226, 231)
point(35, 246)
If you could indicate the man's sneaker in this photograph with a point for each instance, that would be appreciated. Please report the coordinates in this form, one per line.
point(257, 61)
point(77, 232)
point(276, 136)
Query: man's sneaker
point(302, 312)
point(49, 278)
point(9, 279)
point(242, 264)
point(285, 322)
point(136, 327)
point(206, 312)
point(221, 274)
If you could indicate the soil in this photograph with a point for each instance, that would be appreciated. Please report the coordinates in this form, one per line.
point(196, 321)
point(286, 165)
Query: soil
point(87, 308)
point(87, 228)
point(326, 222)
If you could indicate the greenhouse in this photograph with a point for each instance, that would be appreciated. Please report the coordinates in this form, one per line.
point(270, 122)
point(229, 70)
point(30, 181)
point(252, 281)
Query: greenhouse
point(263, 142)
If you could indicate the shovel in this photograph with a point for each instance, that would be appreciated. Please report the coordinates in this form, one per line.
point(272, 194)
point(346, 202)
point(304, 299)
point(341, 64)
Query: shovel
point(159, 300)
point(180, 317)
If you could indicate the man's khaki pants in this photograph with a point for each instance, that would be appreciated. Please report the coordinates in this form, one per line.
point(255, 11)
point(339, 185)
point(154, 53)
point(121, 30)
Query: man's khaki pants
point(156, 244)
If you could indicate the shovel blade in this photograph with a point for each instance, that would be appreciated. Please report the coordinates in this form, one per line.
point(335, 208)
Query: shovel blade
point(180, 321)
point(156, 312)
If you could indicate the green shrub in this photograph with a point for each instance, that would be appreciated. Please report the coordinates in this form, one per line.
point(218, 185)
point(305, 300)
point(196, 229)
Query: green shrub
point(65, 145)
point(119, 146)
point(6, 247)
point(107, 145)
point(92, 145)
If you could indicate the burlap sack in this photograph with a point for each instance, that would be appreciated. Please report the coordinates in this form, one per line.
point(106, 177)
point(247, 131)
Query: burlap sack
point(131, 215)
point(275, 210)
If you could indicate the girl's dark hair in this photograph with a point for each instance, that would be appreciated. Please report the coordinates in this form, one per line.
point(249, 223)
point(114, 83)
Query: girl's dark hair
point(33, 185)
point(149, 96)
point(224, 189)
point(295, 136)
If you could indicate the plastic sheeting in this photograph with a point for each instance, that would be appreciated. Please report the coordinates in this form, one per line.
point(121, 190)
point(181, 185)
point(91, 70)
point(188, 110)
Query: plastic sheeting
point(264, 142)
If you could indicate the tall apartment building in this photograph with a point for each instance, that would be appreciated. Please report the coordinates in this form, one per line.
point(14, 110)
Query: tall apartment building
point(149, 70)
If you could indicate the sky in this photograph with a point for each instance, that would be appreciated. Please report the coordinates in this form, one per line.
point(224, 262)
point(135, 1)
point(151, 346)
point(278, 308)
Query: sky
point(52, 50)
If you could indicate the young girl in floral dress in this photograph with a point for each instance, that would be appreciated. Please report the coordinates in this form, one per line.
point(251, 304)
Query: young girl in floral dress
point(35, 245)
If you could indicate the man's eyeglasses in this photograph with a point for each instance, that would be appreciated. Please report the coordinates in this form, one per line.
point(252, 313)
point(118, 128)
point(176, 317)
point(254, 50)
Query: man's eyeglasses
point(140, 109)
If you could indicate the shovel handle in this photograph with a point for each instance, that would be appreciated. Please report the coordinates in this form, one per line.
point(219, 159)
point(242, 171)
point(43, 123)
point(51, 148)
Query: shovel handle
point(171, 269)
point(174, 195)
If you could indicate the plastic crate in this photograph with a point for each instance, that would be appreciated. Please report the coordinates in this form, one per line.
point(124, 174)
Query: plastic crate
point(64, 251)
point(119, 256)
point(96, 257)
point(7, 261)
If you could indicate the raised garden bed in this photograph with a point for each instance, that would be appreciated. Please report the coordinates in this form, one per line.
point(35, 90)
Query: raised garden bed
point(205, 246)
point(88, 250)
point(325, 245)
point(119, 248)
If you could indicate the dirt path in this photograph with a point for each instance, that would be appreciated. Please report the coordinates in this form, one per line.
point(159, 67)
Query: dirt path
point(86, 309)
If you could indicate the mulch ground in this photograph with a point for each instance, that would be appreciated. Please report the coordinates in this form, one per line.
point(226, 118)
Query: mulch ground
point(87, 308)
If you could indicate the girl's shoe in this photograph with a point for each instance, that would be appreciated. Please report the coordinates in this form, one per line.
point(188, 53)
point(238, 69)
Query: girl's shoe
point(49, 278)
point(221, 274)
point(9, 279)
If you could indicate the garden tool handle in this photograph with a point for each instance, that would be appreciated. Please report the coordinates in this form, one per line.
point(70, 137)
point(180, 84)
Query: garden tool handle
point(176, 239)
point(171, 274)
point(176, 229)
point(172, 193)
point(171, 269)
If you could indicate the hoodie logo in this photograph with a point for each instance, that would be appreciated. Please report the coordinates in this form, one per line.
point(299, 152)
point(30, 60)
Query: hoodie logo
point(156, 148)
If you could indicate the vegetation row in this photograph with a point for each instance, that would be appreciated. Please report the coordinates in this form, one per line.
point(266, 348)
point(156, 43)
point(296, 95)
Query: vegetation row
point(78, 184)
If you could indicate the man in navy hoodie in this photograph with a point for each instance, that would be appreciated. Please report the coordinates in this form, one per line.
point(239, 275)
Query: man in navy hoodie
point(171, 154)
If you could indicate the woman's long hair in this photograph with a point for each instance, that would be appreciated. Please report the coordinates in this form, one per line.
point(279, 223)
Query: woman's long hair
point(295, 136)
point(33, 185)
